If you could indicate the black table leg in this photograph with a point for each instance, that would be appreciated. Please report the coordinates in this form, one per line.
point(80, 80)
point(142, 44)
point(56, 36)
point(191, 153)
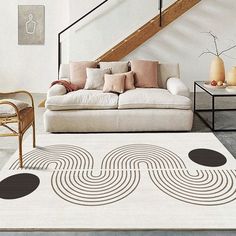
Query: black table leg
point(213, 113)
point(194, 97)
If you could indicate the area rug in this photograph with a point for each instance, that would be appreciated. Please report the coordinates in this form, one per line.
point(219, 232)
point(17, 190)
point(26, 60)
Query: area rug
point(120, 182)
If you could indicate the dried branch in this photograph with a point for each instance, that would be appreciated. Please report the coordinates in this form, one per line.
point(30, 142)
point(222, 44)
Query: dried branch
point(229, 56)
point(207, 52)
point(215, 38)
point(228, 49)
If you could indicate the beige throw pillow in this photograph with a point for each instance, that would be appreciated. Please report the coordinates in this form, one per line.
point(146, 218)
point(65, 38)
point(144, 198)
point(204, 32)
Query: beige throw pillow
point(95, 78)
point(145, 73)
point(115, 66)
point(114, 83)
point(78, 72)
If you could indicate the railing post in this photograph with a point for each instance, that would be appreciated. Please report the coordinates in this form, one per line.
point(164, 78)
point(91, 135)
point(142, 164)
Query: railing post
point(59, 53)
point(160, 10)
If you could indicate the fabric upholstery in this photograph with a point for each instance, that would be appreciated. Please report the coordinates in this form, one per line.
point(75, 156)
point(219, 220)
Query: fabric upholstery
point(95, 78)
point(78, 72)
point(129, 80)
point(152, 98)
point(177, 87)
point(83, 99)
point(132, 120)
point(166, 71)
point(145, 73)
point(8, 110)
point(56, 90)
point(115, 66)
point(114, 83)
point(64, 71)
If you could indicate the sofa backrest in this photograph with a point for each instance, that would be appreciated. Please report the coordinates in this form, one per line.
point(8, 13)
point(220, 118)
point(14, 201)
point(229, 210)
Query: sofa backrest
point(165, 71)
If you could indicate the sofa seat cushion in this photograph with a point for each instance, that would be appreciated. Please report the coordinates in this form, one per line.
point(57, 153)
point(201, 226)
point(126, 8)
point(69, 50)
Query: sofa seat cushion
point(152, 98)
point(83, 99)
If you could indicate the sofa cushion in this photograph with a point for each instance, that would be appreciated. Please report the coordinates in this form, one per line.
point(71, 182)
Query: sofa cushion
point(115, 66)
point(83, 99)
point(145, 73)
point(114, 83)
point(78, 72)
point(152, 98)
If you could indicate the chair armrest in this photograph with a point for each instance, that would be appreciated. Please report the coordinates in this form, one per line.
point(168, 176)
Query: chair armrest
point(3, 102)
point(177, 87)
point(20, 92)
point(56, 90)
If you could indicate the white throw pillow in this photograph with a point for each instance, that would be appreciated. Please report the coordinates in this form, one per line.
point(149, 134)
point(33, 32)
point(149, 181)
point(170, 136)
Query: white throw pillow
point(95, 78)
point(177, 87)
point(56, 90)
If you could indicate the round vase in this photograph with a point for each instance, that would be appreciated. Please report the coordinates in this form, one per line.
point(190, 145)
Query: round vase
point(231, 77)
point(217, 70)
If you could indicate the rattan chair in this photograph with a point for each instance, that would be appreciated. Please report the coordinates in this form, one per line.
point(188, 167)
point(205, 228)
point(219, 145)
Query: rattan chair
point(24, 118)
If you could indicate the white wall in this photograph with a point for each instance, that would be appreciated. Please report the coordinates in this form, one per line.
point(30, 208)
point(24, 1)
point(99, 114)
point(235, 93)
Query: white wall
point(34, 67)
point(107, 26)
point(30, 67)
point(183, 42)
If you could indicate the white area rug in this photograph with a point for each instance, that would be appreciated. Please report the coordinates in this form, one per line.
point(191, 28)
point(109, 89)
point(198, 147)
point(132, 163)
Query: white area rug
point(123, 182)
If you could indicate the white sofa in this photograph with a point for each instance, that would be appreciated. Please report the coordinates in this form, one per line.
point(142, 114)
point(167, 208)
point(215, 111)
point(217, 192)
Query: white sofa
point(167, 108)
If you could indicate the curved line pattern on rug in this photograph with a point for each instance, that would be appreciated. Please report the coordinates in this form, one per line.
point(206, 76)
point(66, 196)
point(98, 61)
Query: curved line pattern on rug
point(73, 179)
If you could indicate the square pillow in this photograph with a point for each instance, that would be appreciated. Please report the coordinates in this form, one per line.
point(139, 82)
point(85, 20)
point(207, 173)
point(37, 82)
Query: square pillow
point(114, 83)
point(78, 72)
point(145, 73)
point(95, 78)
point(129, 80)
point(115, 66)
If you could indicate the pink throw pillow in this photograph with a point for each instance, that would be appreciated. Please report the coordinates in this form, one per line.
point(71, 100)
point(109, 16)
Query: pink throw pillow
point(129, 80)
point(78, 72)
point(145, 73)
point(114, 83)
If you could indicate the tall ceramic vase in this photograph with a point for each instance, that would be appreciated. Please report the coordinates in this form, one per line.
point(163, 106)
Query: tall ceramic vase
point(217, 70)
point(231, 77)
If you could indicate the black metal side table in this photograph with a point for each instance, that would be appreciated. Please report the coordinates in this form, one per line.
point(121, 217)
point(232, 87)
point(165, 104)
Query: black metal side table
point(214, 93)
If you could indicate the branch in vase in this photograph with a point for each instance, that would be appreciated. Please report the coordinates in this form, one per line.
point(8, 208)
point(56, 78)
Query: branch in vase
point(228, 49)
point(229, 56)
point(208, 52)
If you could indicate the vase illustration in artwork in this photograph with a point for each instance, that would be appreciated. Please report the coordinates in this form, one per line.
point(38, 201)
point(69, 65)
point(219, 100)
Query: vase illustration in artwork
point(30, 25)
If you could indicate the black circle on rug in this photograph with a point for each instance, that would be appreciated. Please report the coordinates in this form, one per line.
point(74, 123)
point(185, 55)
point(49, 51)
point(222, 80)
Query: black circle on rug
point(207, 157)
point(19, 185)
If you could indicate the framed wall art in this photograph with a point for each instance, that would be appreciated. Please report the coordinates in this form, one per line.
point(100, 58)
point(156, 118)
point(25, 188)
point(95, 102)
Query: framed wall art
point(31, 24)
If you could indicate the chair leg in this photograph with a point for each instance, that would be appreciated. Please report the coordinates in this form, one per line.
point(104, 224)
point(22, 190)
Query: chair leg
point(20, 151)
point(34, 142)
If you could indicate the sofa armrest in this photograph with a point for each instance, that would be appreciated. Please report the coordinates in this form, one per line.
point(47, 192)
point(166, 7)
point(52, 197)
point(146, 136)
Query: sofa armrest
point(177, 87)
point(56, 90)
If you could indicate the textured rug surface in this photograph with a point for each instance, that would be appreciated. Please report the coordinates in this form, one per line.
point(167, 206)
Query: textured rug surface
point(120, 181)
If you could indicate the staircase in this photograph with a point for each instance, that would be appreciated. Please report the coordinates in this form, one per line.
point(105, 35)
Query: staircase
point(148, 30)
point(116, 51)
